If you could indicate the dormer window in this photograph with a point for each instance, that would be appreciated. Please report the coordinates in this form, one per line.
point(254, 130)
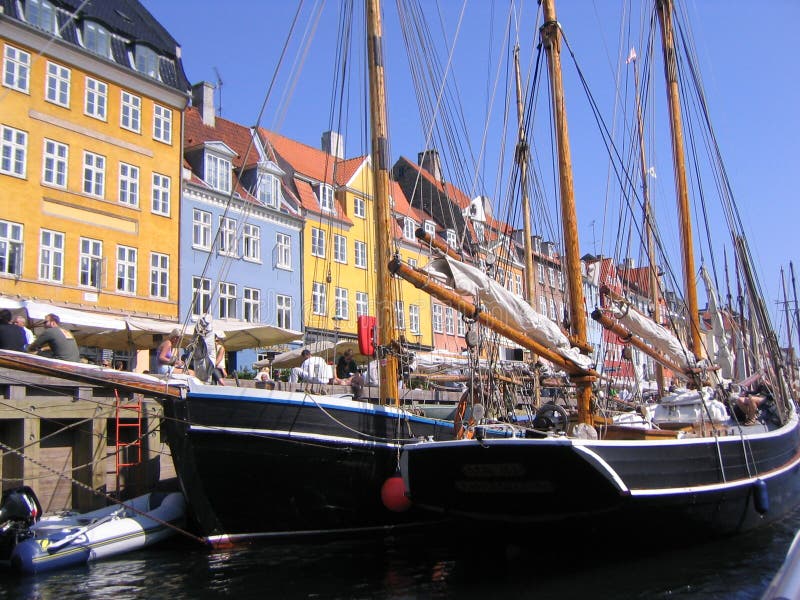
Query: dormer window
point(430, 228)
point(218, 173)
point(326, 197)
point(41, 14)
point(97, 39)
point(408, 228)
point(451, 238)
point(147, 61)
point(269, 190)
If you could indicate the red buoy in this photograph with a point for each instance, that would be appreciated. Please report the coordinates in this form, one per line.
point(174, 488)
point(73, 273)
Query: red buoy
point(393, 494)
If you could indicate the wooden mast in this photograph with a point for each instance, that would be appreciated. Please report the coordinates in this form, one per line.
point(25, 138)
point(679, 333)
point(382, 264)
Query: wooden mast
point(550, 36)
point(648, 220)
point(664, 9)
point(522, 159)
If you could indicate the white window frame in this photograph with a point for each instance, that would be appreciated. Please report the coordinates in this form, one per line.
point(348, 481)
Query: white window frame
point(160, 201)
point(430, 228)
point(362, 304)
point(251, 304)
point(269, 190)
point(41, 14)
point(227, 236)
point(283, 311)
point(283, 250)
point(341, 304)
point(227, 300)
point(159, 275)
point(399, 315)
point(130, 112)
point(146, 60)
point(319, 298)
point(16, 69)
point(551, 276)
point(452, 240)
point(317, 242)
point(127, 258)
point(217, 173)
point(339, 248)
point(162, 127)
point(90, 263)
point(413, 318)
point(96, 38)
point(201, 229)
point(129, 185)
point(360, 251)
point(251, 243)
point(540, 271)
point(326, 198)
point(359, 207)
point(449, 321)
point(55, 162)
point(96, 99)
point(408, 228)
point(13, 151)
point(438, 318)
point(57, 84)
point(94, 174)
point(11, 248)
point(51, 256)
point(201, 296)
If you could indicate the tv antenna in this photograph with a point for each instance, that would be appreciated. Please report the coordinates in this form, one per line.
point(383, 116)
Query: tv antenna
point(219, 88)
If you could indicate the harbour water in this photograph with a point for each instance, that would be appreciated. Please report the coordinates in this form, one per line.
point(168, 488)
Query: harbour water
point(430, 567)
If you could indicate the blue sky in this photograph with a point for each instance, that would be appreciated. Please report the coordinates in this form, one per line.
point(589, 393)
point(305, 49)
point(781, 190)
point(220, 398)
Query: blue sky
point(747, 52)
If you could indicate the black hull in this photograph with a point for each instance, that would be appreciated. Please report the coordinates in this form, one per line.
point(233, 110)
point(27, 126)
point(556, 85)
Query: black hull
point(677, 486)
point(258, 463)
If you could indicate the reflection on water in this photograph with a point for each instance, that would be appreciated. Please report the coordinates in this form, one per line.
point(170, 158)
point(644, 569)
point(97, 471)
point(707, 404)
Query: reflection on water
point(429, 567)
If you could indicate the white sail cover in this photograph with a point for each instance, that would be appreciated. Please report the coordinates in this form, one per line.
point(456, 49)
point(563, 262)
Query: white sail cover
point(505, 306)
point(657, 336)
point(722, 352)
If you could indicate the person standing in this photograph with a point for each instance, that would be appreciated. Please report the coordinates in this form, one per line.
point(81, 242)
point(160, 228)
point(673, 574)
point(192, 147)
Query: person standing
point(22, 322)
point(61, 341)
point(12, 337)
point(168, 353)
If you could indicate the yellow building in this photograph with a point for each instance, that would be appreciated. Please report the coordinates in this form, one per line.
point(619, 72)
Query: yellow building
point(91, 110)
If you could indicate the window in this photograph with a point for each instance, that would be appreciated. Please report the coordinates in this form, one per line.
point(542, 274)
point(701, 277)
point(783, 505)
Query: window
point(412, 262)
point(126, 269)
point(162, 129)
point(94, 174)
point(430, 228)
point(543, 305)
point(540, 270)
point(96, 96)
point(13, 151)
point(146, 61)
point(361, 254)
point(399, 315)
point(319, 298)
point(54, 163)
point(201, 296)
point(57, 84)
point(16, 69)
point(51, 256)
point(227, 300)
point(10, 248)
point(251, 305)
point(553, 309)
point(96, 39)
point(518, 282)
point(362, 304)
point(227, 236)
point(551, 276)
point(159, 275)
point(283, 249)
point(339, 248)
point(317, 242)
point(269, 190)
point(342, 309)
point(130, 115)
point(128, 184)
point(326, 197)
point(451, 238)
point(438, 318)
point(359, 207)
point(283, 311)
point(218, 173)
point(160, 203)
point(413, 318)
point(449, 321)
point(201, 229)
point(461, 327)
point(251, 242)
point(561, 280)
point(408, 228)
point(41, 14)
point(91, 263)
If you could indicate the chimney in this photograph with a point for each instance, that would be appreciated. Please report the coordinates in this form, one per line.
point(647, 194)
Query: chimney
point(333, 143)
point(203, 100)
point(628, 263)
point(429, 160)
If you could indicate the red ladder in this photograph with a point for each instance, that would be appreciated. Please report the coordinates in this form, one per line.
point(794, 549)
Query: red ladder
point(122, 453)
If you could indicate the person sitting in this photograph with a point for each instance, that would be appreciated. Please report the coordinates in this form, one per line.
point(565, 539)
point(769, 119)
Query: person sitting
point(61, 341)
point(23, 322)
point(346, 367)
point(313, 370)
point(167, 354)
point(12, 337)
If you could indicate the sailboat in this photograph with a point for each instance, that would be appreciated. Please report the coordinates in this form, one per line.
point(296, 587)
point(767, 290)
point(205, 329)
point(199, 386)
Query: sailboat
point(691, 464)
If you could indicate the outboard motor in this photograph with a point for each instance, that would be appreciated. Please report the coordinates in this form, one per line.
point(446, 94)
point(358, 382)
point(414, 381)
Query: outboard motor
point(19, 510)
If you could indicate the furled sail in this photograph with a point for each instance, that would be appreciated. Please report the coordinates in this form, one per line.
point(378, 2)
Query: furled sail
point(722, 354)
point(505, 306)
